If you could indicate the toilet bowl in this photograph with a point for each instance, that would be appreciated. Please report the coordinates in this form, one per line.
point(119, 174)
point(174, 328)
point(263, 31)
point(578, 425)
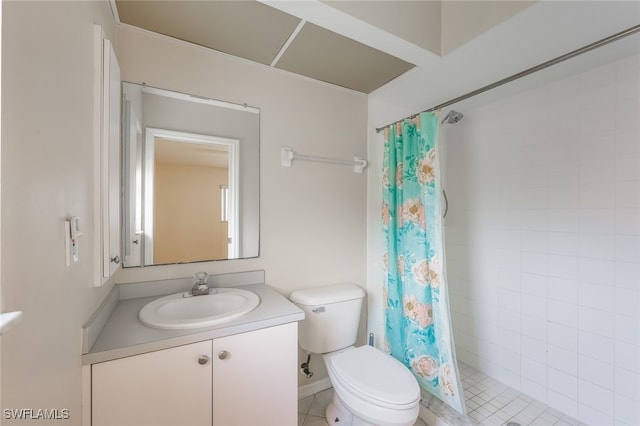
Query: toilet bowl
point(370, 388)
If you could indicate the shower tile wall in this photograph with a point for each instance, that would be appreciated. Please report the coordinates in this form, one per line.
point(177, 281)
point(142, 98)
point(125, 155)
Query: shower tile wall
point(543, 242)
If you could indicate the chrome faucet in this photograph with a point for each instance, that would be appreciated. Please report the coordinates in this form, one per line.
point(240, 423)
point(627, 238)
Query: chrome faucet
point(200, 287)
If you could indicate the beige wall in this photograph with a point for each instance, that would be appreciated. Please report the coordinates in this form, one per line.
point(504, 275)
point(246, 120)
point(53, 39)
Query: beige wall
point(47, 175)
point(312, 215)
point(187, 222)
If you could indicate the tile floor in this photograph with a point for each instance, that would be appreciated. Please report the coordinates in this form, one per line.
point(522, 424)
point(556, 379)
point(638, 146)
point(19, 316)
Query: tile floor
point(491, 403)
point(311, 409)
point(488, 402)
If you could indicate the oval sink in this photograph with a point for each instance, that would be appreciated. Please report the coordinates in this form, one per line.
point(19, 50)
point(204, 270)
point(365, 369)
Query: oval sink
point(179, 312)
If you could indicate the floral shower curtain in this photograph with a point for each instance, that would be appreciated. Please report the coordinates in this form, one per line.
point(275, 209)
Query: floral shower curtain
point(418, 324)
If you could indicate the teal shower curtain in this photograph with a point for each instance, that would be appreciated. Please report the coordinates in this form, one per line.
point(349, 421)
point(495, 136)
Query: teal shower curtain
point(418, 324)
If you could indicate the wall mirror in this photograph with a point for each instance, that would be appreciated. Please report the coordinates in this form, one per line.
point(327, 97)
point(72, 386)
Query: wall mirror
point(191, 178)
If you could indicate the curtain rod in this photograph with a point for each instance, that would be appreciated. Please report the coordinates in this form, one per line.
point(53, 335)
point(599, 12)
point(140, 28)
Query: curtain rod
point(554, 61)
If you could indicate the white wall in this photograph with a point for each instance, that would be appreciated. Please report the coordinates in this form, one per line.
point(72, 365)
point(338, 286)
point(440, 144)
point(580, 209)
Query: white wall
point(312, 227)
point(47, 173)
point(543, 242)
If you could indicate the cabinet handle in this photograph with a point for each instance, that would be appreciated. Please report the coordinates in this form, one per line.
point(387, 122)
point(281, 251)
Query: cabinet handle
point(223, 355)
point(115, 259)
point(203, 360)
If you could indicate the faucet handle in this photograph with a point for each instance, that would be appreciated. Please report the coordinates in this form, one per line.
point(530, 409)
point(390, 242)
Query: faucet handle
point(201, 277)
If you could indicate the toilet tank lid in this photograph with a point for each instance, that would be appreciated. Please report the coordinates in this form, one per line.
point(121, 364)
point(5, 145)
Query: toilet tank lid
point(328, 294)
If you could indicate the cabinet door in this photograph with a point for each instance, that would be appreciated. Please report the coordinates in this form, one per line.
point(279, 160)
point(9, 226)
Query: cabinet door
point(169, 387)
point(255, 378)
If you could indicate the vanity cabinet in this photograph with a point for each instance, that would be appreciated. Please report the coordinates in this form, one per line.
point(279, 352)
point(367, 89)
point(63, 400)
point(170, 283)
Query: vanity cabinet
point(243, 379)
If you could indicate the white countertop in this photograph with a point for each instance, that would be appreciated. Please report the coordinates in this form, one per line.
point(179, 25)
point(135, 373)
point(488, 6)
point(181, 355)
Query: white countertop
point(124, 335)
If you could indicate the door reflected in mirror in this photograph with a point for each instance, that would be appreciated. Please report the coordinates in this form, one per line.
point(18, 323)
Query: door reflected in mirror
point(191, 178)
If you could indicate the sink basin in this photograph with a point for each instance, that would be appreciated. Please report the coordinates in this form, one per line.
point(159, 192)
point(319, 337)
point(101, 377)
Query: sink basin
point(182, 311)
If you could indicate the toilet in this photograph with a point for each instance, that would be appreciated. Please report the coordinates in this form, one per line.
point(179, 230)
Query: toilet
point(371, 388)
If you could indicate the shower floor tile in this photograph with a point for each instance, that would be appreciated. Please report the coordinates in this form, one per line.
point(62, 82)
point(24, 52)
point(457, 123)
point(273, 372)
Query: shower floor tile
point(491, 403)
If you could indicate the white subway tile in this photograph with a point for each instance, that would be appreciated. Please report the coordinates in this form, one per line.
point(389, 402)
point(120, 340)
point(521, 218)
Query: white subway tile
point(627, 302)
point(627, 113)
point(627, 329)
point(597, 372)
point(627, 248)
point(597, 246)
point(596, 346)
point(627, 410)
point(563, 220)
point(596, 221)
point(562, 290)
point(627, 384)
point(509, 360)
point(534, 326)
point(509, 259)
point(562, 403)
point(533, 263)
point(563, 151)
point(596, 196)
point(563, 243)
point(509, 319)
point(509, 377)
point(597, 170)
point(562, 313)
point(535, 349)
point(596, 321)
point(627, 167)
point(563, 174)
point(596, 271)
point(534, 241)
point(627, 221)
point(596, 296)
point(598, 120)
point(562, 266)
point(534, 284)
point(596, 396)
point(534, 219)
point(563, 383)
point(534, 198)
point(627, 356)
point(562, 360)
point(533, 370)
point(509, 239)
point(590, 415)
point(627, 275)
point(627, 195)
point(534, 389)
point(508, 299)
point(562, 336)
point(508, 278)
point(627, 143)
point(563, 197)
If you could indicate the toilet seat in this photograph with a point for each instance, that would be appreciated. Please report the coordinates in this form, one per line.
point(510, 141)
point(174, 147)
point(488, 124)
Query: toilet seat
point(371, 375)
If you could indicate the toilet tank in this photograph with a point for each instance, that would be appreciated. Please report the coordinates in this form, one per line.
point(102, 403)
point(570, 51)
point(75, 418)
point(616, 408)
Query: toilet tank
point(332, 315)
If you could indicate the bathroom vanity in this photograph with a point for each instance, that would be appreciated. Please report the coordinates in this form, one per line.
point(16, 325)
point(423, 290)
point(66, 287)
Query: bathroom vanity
point(242, 372)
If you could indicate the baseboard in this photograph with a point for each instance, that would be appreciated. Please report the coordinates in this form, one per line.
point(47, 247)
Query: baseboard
point(313, 387)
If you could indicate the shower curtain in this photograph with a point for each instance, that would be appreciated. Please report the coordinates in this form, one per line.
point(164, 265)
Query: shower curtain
point(418, 324)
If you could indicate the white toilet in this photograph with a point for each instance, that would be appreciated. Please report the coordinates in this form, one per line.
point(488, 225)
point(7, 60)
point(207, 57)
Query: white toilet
point(370, 387)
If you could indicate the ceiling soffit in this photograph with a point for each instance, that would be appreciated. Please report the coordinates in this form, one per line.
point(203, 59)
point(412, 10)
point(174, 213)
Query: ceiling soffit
point(264, 34)
point(330, 57)
point(247, 29)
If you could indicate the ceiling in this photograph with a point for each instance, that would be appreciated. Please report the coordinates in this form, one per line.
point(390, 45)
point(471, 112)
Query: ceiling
point(412, 54)
point(264, 34)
